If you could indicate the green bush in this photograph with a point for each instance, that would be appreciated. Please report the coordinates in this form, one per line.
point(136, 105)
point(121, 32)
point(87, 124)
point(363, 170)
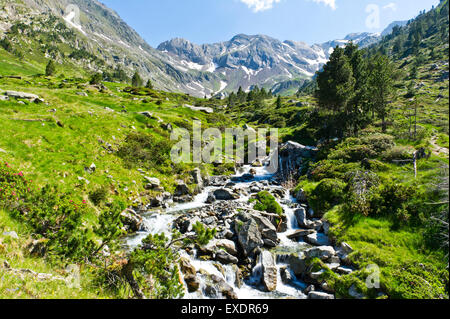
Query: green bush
point(397, 153)
point(99, 195)
point(265, 202)
point(146, 151)
point(331, 169)
point(328, 193)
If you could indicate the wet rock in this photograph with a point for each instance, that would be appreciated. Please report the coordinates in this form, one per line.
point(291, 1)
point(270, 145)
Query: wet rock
point(301, 196)
point(322, 252)
point(217, 181)
point(228, 245)
point(192, 283)
point(300, 215)
point(181, 189)
point(211, 198)
point(267, 229)
point(269, 270)
point(197, 176)
point(131, 220)
point(210, 292)
point(186, 267)
point(225, 258)
point(352, 291)
point(249, 236)
point(319, 295)
point(317, 239)
point(286, 275)
point(225, 289)
point(225, 194)
point(300, 234)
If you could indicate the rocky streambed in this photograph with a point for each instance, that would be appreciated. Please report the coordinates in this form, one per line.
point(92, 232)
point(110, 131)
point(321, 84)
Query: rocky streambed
point(253, 255)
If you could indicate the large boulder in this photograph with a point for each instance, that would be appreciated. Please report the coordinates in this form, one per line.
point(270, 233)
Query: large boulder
point(131, 220)
point(317, 239)
point(228, 245)
point(321, 252)
point(217, 181)
point(300, 234)
point(181, 189)
point(267, 229)
point(225, 194)
point(192, 283)
point(225, 289)
point(186, 267)
point(301, 196)
point(197, 176)
point(225, 258)
point(22, 95)
point(249, 236)
point(297, 263)
point(301, 216)
point(269, 270)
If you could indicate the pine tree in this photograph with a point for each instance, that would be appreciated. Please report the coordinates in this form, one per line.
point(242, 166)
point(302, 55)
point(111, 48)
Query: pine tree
point(96, 79)
point(136, 81)
point(335, 83)
point(50, 68)
point(149, 85)
point(279, 102)
point(381, 86)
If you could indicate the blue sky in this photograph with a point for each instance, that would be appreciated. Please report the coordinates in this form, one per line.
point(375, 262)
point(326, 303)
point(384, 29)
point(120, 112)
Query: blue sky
point(311, 21)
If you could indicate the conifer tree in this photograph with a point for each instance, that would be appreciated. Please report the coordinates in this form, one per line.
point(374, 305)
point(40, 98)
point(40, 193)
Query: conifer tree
point(136, 81)
point(50, 68)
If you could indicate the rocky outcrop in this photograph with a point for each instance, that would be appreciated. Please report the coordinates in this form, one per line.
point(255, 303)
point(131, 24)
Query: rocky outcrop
point(249, 236)
point(269, 270)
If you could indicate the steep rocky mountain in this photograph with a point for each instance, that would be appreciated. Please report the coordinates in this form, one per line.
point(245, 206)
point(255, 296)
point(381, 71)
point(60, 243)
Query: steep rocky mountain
point(104, 38)
point(107, 42)
point(249, 60)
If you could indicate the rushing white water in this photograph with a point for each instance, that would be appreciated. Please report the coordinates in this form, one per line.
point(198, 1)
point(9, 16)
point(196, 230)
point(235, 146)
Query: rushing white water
point(251, 288)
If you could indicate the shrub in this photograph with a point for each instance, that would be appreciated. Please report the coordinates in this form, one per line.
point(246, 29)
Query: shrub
point(397, 153)
point(328, 193)
point(145, 150)
point(99, 195)
point(331, 169)
point(96, 79)
point(266, 202)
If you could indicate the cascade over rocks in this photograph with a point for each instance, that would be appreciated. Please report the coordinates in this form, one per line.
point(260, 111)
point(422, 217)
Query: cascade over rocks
point(238, 255)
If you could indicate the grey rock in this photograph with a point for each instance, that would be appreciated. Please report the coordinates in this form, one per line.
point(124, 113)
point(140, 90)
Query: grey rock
point(225, 258)
point(322, 252)
point(269, 270)
point(319, 295)
point(317, 239)
point(225, 194)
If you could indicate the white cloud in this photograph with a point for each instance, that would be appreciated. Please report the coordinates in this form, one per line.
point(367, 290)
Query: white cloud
point(330, 3)
point(260, 5)
point(391, 6)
